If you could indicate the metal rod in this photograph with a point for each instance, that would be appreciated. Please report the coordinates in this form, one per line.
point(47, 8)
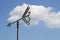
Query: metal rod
point(17, 29)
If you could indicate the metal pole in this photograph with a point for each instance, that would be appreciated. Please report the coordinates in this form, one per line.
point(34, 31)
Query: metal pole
point(17, 29)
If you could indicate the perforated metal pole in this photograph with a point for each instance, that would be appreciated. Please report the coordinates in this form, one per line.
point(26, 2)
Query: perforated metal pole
point(17, 29)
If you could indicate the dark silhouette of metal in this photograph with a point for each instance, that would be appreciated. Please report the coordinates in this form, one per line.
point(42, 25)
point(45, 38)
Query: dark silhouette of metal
point(17, 29)
point(25, 16)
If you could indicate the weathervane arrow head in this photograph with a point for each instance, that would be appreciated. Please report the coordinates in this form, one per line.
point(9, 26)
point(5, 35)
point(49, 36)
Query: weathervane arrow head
point(9, 25)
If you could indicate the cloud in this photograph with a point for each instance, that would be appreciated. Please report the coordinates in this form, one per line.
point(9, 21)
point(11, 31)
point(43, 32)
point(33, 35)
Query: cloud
point(38, 14)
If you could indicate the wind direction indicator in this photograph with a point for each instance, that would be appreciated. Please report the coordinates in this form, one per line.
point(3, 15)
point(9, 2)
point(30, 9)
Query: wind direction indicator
point(26, 18)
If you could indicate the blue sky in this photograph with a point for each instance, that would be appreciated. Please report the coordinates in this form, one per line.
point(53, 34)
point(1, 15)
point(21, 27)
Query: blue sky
point(38, 32)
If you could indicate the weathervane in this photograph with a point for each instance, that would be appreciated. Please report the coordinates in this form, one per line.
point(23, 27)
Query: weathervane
point(26, 18)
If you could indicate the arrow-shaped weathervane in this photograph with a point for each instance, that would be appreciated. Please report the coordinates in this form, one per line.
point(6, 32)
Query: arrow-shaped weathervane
point(26, 18)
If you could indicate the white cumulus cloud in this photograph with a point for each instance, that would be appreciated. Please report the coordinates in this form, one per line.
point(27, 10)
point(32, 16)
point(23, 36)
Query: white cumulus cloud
point(38, 14)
